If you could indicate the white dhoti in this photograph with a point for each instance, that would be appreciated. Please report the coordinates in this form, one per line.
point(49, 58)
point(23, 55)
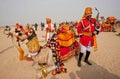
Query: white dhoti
point(84, 48)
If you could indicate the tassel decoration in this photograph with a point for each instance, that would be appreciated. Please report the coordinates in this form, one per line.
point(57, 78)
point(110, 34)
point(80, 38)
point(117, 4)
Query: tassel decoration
point(21, 53)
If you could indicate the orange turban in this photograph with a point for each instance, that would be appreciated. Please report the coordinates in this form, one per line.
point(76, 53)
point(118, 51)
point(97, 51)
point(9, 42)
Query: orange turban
point(65, 27)
point(17, 25)
point(48, 20)
point(88, 11)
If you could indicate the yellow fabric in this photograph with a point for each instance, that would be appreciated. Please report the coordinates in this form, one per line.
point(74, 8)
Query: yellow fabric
point(21, 53)
point(106, 25)
point(66, 43)
point(111, 19)
point(66, 39)
point(66, 36)
point(33, 45)
point(95, 44)
point(87, 33)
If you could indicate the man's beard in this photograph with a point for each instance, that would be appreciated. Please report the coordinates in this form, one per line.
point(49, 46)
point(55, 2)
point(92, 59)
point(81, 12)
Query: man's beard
point(88, 17)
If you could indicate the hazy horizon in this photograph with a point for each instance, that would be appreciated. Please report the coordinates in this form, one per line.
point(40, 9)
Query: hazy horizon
point(35, 11)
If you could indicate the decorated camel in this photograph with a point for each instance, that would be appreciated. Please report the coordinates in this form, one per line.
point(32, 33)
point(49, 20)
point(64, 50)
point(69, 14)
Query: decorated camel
point(118, 27)
point(43, 56)
point(49, 57)
point(108, 24)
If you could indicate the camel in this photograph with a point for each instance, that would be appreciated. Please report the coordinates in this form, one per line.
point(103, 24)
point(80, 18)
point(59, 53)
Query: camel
point(43, 56)
point(118, 27)
point(108, 24)
point(47, 57)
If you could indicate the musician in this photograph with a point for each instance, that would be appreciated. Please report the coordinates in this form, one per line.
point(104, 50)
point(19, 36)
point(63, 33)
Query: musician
point(86, 30)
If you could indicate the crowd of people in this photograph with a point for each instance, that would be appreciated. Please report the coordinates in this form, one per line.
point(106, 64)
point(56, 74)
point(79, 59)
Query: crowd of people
point(67, 32)
point(65, 39)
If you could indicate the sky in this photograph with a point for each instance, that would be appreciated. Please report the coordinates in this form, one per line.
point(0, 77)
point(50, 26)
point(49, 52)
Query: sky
point(35, 11)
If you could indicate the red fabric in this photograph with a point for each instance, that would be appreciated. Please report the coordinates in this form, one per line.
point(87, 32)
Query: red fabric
point(76, 44)
point(26, 33)
point(84, 40)
point(22, 29)
point(64, 51)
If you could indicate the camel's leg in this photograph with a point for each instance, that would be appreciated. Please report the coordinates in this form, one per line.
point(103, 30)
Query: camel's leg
point(43, 72)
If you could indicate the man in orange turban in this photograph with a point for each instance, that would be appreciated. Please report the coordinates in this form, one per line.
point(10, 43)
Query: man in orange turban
point(66, 36)
point(65, 39)
point(86, 30)
point(49, 27)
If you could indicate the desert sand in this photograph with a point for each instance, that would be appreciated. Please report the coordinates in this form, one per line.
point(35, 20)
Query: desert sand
point(105, 61)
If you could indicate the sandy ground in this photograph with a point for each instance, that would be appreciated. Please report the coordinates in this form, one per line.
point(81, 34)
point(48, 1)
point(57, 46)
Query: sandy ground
point(106, 61)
